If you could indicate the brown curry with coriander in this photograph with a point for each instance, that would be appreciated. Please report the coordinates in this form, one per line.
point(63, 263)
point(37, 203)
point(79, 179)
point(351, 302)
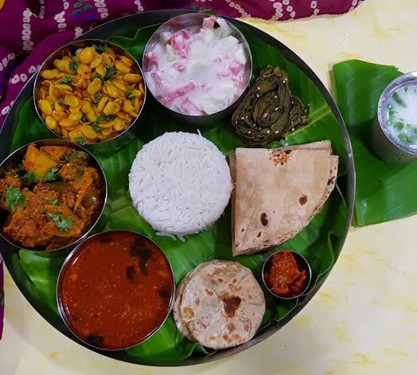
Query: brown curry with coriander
point(52, 198)
point(116, 290)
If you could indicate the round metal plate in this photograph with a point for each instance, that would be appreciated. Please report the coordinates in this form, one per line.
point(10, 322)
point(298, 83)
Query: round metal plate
point(128, 26)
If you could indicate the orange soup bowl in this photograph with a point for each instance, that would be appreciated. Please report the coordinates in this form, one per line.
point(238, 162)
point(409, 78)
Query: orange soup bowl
point(115, 290)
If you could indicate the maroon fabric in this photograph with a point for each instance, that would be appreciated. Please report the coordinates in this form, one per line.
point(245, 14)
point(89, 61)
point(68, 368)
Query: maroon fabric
point(1, 300)
point(30, 30)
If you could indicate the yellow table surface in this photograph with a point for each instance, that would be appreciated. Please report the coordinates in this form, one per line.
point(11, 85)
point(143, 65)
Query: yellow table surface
point(363, 320)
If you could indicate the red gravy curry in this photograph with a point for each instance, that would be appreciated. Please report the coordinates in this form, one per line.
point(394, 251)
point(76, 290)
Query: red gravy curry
point(116, 290)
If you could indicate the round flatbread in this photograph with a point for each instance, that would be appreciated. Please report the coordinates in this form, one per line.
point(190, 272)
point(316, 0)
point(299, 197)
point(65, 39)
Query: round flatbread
point(177, 315)
point(266, 212)
point(219, 304)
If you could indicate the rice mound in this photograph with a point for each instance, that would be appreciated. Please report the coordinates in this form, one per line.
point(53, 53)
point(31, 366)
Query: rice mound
point(180, 183)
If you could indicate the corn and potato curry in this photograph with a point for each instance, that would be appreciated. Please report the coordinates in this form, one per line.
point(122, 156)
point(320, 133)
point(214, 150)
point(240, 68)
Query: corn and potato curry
point(52, 198)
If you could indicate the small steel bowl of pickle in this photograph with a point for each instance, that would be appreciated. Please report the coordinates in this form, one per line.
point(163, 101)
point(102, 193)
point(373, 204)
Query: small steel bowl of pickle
point(286, 274)
point(52, 194)
point(91, 92)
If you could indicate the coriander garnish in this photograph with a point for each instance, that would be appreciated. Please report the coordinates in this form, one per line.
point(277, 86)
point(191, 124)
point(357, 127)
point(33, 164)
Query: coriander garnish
point(54, 202)
point(110, 72)
point(100, 48)
point(62, 222)
point(14, 197)
point(95, 126)
point(100, 77)
point(67, 80)
point(80, 172)
point(51, 175)
point(81, 141)
point(29, 178)
point(74, 65)
point(129, 94)
point(75, 155)
point(105, 118)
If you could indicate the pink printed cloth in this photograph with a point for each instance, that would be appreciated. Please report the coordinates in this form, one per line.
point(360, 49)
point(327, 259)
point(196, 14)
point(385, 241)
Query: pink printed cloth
point(30, 30)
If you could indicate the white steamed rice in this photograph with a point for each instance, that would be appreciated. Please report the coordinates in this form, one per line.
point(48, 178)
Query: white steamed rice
point(180, 183)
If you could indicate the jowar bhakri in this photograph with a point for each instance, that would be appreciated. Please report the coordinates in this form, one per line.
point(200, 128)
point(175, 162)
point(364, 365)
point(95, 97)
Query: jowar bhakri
point(219, 304)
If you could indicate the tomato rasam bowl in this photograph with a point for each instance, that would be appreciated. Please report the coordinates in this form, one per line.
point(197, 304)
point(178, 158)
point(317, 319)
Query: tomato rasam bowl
point(115, 290)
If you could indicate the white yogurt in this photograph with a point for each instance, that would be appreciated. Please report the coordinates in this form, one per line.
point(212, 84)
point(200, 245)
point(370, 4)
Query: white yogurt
point(197, 71)
point(402, 115)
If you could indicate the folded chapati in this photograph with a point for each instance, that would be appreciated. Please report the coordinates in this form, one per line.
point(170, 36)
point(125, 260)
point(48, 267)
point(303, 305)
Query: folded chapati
point(278, 192)
point(219, 304)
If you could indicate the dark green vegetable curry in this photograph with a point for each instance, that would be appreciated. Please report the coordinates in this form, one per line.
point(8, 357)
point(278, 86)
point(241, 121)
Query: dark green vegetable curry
point(268, 111)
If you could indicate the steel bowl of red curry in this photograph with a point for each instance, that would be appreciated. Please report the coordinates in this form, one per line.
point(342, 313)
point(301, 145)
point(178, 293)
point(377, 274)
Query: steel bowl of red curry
point(115, 290)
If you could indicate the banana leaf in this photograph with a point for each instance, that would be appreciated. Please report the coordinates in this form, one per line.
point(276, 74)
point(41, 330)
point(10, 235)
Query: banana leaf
point(384, 192)
point(320, 242)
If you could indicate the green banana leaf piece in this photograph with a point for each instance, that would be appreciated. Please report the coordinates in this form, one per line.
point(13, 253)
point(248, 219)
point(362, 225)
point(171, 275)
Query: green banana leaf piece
point(384, 192)
point(320, 242)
